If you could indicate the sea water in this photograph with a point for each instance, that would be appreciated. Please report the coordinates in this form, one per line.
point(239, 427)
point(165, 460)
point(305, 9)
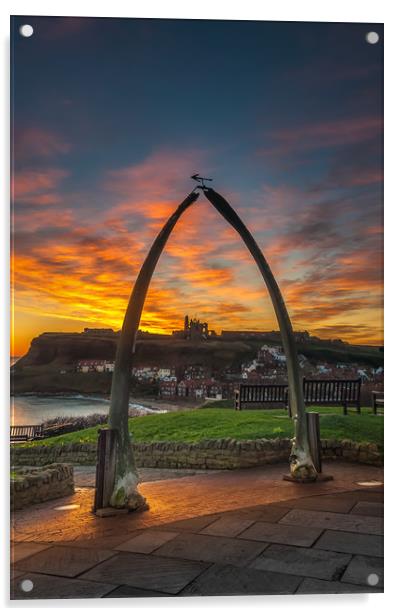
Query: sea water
point(33, 410)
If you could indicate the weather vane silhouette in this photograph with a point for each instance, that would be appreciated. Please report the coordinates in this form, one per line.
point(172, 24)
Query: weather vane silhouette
point(197, 178)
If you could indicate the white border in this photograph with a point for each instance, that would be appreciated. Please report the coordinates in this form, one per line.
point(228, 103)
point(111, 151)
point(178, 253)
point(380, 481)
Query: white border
point(284, 10)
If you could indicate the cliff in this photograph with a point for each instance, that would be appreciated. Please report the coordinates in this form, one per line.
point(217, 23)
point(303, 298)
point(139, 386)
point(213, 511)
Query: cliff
point(63, 349)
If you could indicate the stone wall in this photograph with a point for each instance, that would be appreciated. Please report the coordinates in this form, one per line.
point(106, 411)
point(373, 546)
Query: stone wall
point(74, 453)
point(30, 486)
point(207, 454)
point(365, 453)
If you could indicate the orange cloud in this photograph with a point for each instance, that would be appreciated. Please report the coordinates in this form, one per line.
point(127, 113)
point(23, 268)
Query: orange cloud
point(162, 173)
point(31, 184)
point(43, 218)
point(80, 268)
point(34, 142)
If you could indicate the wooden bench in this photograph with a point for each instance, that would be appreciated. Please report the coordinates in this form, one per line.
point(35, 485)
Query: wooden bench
point(25, 433)
point(332, 392)
point(259, 394)
point(377, 401)
point(337, 392)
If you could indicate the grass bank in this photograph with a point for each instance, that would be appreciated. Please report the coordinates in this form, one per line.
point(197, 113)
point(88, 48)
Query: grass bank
point(193, 426)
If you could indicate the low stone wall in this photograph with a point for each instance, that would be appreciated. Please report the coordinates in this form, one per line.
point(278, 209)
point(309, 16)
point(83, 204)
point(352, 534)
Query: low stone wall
point(206, 454)
point(366, 453)
point(74, 453)
point(30, 486)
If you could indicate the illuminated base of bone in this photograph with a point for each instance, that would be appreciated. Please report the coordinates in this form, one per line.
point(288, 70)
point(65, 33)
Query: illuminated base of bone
point(320, 477)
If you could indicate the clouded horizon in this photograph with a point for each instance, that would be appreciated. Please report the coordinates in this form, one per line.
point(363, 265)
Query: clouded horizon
point(111, 118)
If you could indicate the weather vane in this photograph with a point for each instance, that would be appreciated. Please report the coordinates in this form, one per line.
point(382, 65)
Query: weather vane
point(196, 177)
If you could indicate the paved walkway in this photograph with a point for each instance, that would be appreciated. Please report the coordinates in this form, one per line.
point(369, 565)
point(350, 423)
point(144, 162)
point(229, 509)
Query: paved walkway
point(237, 532)
point(85, 476)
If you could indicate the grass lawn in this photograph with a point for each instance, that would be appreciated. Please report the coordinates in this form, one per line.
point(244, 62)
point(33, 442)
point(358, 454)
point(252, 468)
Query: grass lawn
point(212, 423)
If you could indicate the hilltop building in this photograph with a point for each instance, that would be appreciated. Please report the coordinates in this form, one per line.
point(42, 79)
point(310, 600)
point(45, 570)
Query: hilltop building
point(194, 329)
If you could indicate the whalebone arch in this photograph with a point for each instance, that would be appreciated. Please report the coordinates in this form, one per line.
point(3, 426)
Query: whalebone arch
point(125, 492)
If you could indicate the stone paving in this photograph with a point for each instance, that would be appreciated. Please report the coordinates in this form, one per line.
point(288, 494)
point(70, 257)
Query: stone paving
point(230, 533)
point(85, 476)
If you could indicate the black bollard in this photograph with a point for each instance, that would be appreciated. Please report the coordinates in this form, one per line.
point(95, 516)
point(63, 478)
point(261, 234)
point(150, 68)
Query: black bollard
point(105, 468)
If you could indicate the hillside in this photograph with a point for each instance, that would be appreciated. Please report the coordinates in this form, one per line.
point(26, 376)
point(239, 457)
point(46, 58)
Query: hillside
point(59, 350)
point(50, 353)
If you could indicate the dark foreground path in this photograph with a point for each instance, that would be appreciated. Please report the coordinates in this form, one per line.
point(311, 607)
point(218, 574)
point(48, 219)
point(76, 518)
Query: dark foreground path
point(238, 532)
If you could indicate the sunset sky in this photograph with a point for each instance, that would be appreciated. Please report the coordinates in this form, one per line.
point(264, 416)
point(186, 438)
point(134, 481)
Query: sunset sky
point(111, 118)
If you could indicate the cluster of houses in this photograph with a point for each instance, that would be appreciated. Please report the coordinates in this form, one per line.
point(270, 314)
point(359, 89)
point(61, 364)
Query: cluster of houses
point(95, 365)
point(348, 371)
point(196, 381)
point(268, 365)
point(149, 374)
point(200, 388)
point(152, 374)
point(196, 388)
